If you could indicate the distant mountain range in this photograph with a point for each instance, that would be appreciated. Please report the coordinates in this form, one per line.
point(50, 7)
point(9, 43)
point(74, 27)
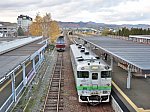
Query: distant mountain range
point(99, 25)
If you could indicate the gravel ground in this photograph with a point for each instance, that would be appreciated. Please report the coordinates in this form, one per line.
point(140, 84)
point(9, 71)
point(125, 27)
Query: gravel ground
point(71, 103)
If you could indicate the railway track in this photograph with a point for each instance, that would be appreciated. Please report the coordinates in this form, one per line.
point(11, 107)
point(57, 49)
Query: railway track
point(54, 99)
point(99, 108)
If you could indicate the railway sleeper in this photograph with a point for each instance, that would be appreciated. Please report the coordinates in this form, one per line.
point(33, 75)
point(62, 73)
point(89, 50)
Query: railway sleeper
point(55, 85)
point(56, 79)
point(50, 104)
point(53, 94)
point(53, 91)
point(56, 76)
point(60, 108)
point(53, 99)
point(57, 72)
point(55, 82)
point(51, 108)
point(57, 69)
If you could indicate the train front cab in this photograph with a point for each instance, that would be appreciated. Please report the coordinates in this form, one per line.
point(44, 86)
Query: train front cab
point(94, 86)
point(60, 47)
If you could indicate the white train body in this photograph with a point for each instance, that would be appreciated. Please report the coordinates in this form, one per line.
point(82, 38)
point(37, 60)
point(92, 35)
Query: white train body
point(92, 75)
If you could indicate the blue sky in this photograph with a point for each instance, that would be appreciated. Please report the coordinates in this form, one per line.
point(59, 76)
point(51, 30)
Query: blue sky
point(101, 11)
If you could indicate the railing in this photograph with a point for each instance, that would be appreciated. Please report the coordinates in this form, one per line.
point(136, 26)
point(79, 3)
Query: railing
point(9, 102)
point(19, 89)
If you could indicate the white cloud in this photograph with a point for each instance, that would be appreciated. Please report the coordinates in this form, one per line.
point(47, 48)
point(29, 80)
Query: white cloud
point(107, 11)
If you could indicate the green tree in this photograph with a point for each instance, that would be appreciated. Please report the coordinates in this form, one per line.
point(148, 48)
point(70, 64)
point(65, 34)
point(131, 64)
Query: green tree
point(133, 31)
point(20, 32)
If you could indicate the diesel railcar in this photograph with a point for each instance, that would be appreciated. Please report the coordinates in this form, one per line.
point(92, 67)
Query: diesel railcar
point(92, 75)
point(60, 43)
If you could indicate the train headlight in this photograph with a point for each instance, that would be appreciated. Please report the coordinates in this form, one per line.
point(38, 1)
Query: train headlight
point(107, 67)
point(105, 92)
point(82, 68)
point(108, 84)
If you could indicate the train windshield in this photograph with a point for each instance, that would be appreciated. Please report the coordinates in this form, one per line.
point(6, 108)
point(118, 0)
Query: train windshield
point(83, 74)
point(94, 76)
point(105, 74)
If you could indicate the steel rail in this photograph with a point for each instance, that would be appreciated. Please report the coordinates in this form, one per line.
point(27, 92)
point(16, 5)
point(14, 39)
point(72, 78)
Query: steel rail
point(59, 56)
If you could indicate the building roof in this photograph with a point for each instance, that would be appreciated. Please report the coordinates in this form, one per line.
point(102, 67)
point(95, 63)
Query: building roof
point(8, 24)
point(11, 59)
point(135, 54)
point(24, 17)
point(9, 45)
point(140, 36)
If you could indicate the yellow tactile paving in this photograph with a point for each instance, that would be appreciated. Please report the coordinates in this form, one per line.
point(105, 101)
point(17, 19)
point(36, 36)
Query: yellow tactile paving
point(128, 100)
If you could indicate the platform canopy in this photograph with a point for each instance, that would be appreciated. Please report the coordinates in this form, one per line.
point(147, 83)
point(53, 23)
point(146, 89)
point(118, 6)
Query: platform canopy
point(135, 54)
point(13, 55)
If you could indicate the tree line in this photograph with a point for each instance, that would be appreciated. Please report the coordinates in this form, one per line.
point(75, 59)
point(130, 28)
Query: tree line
point(133, 31)
point(126, 32)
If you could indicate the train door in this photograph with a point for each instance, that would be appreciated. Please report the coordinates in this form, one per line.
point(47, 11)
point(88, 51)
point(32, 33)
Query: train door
point(94, 80)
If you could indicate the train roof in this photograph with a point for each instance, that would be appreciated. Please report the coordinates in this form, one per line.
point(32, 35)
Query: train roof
point(60, 39)
point(86, 56)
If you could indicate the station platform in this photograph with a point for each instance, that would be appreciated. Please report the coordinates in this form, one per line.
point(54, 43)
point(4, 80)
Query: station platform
point(138, 96)
point(18, 66)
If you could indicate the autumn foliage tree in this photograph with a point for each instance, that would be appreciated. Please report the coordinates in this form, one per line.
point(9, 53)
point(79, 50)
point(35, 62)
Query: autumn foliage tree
point(35, 27)
point(54, 31)
point(45, 26)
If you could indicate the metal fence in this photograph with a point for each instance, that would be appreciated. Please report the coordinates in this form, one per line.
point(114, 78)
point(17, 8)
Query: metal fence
point(9, 102)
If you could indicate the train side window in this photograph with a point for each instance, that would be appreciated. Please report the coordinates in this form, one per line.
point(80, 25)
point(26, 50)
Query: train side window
point(94, 76)
point(105, 74)
point(83, 74)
